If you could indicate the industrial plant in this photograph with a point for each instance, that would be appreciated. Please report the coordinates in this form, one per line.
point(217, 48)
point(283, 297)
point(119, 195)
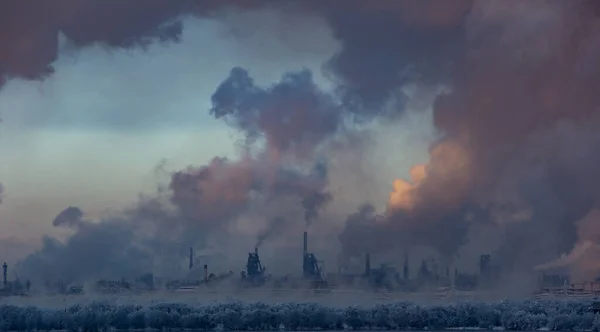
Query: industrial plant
point(14, 287)
point(311, 277)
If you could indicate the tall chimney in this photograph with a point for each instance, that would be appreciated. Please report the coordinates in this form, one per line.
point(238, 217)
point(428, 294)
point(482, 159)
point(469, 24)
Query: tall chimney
point(305, 243)
point(191, 258)
point(205, 272)
point(368, 265)
point(256, 250)
point(4, 274)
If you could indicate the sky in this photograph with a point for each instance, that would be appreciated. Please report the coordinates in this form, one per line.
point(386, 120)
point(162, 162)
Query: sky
point(110, 124)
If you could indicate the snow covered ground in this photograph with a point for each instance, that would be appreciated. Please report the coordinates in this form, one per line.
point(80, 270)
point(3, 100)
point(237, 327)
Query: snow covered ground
point(101, 314)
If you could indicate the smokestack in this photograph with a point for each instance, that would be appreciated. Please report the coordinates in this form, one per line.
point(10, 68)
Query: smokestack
point(205, 272)
point(191, 258)
point(256, 250)
point(368, 264)
point(305, 243)
point(4, 274)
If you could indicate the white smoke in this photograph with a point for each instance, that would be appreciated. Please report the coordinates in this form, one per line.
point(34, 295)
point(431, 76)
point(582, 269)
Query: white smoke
point(570, 259)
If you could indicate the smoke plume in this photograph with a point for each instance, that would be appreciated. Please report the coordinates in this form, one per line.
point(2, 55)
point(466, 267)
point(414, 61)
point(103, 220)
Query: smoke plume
point(520, 127)
point(313, 203)
point(274, 227)
point(288, 123)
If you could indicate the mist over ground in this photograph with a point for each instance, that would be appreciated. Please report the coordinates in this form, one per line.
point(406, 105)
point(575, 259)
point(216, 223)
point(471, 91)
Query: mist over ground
point(511, 88)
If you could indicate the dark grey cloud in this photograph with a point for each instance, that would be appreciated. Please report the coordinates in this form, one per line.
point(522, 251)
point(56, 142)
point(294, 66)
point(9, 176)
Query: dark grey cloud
point(293, 115)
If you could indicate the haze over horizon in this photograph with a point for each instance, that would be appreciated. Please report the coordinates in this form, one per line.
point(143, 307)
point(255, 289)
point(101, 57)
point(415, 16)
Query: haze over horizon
point(488, 110)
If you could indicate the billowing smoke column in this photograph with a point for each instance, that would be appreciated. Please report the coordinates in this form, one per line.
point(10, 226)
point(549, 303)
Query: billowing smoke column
point(288, 123)
point(279, 159)
point(430, 209)
point(520, 120)
point(521, 136)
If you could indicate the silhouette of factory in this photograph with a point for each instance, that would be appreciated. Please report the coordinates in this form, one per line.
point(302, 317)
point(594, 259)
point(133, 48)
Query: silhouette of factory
point(428, 277)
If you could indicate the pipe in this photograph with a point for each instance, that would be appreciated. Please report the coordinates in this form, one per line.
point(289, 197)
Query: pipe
point(305, 243)
point(4, 274)
point(205, 272)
